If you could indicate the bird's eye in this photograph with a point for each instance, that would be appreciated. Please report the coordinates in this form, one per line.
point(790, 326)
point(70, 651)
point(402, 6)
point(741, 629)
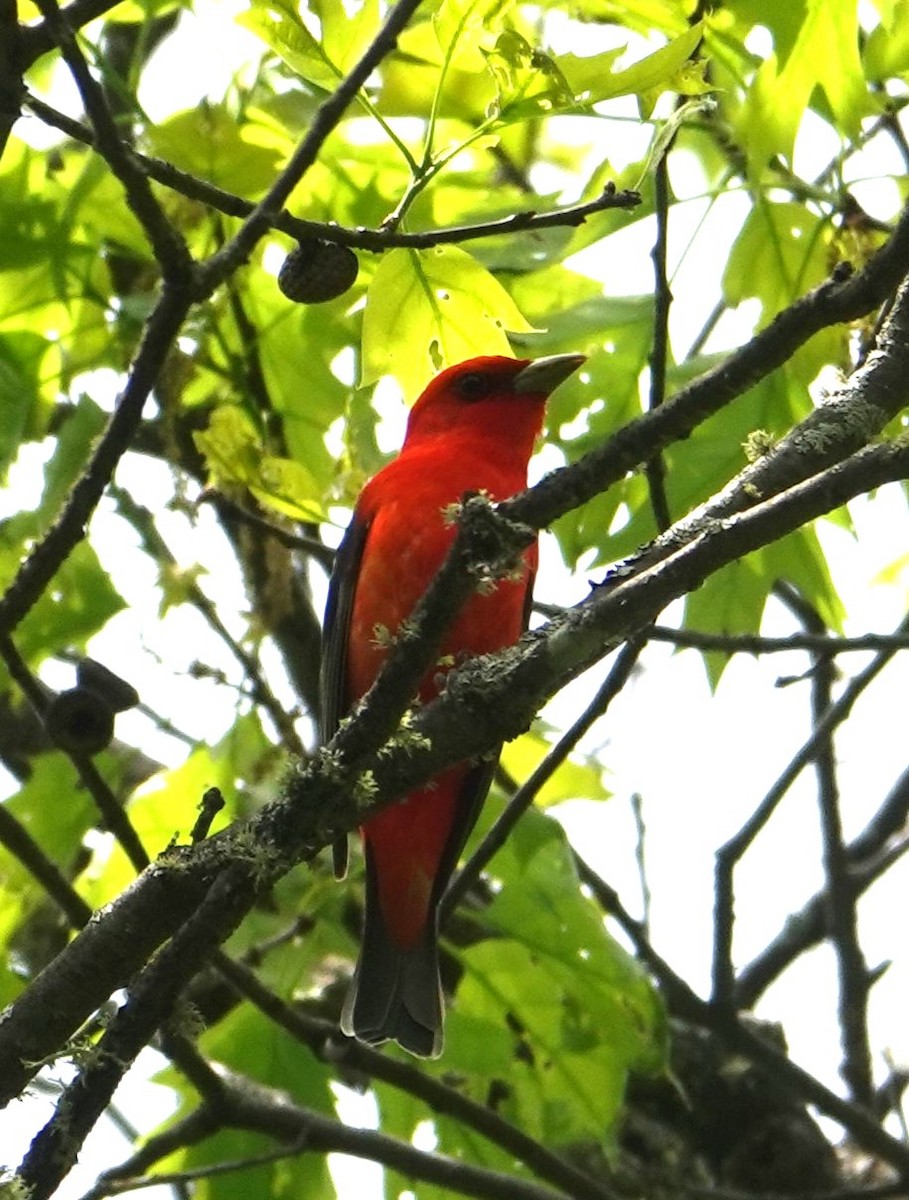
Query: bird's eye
point(473, 386)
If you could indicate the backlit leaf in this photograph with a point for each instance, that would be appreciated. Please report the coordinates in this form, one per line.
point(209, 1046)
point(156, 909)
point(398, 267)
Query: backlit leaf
point(428, 309)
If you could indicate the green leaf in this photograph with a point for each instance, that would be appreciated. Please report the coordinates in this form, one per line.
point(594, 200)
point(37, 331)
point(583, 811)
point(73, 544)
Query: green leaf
point(732, 601)
point(792, 245)
point(886, 51)
point(91, 207)
point(582, 1004)
point(296, 347)
point(21, 356)
point(75, 441)
point(207, 141)
point(278, 24)
point(788, 241)
point(800, 560)
point(572, 780)
point(57, 813)
point(234, 454)
point(410, 78)
point(703, 463)
point(528, 82)
point(466, 28)
point(345, 34)
point(614, 399)
point(592, 79)
point(428, 309)
point(52, 625)
point(30, 231)
point(644, 16)
point(347, 29)
point(776, 102)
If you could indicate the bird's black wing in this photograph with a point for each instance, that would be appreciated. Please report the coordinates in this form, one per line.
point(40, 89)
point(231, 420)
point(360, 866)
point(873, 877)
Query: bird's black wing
point(333, 693)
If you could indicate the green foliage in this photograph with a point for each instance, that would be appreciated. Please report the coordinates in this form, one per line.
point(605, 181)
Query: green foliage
point(428, 310)
point(575, 1078)
point(574, 778)
point(561, 1075)
point(246, 1044)
point(57, 815)
point(483, 110)
point(235, 457)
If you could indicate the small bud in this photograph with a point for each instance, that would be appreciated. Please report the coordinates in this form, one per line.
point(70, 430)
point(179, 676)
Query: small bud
point(80, 721)
point(317, 271)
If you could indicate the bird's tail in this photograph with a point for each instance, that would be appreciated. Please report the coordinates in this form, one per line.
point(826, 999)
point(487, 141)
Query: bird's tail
point(395, 994)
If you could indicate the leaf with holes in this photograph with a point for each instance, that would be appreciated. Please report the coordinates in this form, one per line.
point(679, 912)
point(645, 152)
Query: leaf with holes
point(428, 309)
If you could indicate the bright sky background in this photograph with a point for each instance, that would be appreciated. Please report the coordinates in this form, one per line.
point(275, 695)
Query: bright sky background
point(717, 755)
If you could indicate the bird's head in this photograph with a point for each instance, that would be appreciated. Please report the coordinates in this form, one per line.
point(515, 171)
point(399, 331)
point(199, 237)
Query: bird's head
point(496, 396)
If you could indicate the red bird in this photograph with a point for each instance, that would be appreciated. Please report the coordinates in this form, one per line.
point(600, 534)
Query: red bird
point(473, 428)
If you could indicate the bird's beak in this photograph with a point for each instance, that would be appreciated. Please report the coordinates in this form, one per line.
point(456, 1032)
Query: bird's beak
point(544, 375)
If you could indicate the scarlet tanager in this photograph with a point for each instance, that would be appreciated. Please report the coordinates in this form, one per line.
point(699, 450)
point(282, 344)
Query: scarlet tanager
point(473, 428)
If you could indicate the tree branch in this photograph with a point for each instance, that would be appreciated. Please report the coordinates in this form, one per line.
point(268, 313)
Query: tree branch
point(251, 1107)
point(12, 88)
point(869, 855)
point(374, 240)
point(39, 39)
point(323, 1039)
point(732, 852)
point(842, 898)
point(525, 795)
point(168, 245)
point(744, 643)
point(150, 1000)
point(68, 529)
point(486, 701)
point(655, 468)
point(254, 1109)
point(856, 414)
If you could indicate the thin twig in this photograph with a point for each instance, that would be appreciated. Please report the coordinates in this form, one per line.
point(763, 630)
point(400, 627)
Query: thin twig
point(616, 679)
point(16, 839)
point(710, 323)
point(143, 521)
point(841, 895)
point(655, 468)
point(115, 1185)
point(324, 1040)
point(744, 643)
point(731, 853)
point(324, 555)
point(375, 240)
point(881, 843)
point(199, 1124)
point(640, 839)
